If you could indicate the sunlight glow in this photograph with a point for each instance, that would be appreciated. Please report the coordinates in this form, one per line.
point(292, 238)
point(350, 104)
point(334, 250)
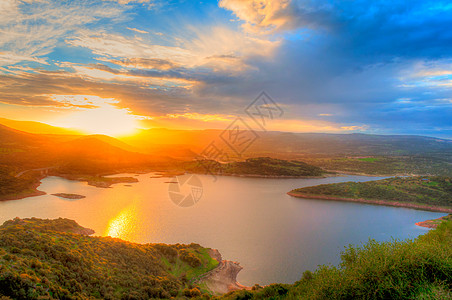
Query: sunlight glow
point(96, 115)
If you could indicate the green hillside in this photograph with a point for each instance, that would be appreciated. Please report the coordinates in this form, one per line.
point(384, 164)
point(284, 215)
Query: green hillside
point(432, 191)
point(260, 166)
point(54, 259)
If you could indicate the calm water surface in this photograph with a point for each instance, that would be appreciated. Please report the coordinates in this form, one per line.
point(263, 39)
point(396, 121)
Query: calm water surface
point(275, 237)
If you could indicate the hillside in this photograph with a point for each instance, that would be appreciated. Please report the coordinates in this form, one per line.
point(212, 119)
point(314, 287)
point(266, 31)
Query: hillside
point(37, 127)
point(302, 143)
point(412, 269)
point(355, 153)
point(54, 259)
point(260, 166)
point(434, 193)
point(90, 154)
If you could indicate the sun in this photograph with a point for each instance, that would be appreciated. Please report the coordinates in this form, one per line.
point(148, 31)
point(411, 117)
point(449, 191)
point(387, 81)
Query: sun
point(95, 115)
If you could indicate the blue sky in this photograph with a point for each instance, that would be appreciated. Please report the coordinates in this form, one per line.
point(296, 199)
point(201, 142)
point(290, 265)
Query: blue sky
point(380, 67)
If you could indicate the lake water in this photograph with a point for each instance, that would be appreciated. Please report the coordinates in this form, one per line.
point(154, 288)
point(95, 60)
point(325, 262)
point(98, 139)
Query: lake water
point(275, 237)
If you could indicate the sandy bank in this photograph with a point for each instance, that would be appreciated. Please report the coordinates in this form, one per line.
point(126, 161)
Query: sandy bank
point(223, 278)
point(376, 202)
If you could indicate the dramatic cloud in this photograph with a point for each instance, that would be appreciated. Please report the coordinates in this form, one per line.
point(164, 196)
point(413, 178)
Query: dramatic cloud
point(361, 65)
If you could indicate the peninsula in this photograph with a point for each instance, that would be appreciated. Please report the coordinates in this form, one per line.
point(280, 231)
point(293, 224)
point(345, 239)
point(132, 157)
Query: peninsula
point(433, 193)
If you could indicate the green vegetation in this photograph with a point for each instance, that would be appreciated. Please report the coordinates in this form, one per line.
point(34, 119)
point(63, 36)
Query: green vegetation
point(54, 259)
point(432, 191)
point(12, 187)
point(260, 166)
point(440, 165)
point(100, 181)
point(412, 269)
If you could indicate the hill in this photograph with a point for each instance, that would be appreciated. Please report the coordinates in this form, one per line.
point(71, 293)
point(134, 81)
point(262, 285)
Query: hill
point(37, 127)
point(259, 166)
point(431, 193)
point(23, 155)
point(22, 150)
point(354, 153)
point(54, 259)
point(301, 143)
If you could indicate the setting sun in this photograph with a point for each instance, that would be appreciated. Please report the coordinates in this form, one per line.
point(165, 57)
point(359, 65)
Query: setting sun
point(96, 115)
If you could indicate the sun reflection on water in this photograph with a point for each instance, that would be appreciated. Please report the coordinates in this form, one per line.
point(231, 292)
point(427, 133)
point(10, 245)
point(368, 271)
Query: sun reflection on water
point(124, 225)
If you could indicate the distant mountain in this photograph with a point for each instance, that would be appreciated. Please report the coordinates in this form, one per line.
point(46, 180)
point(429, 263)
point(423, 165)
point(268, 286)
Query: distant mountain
point(88, 154)
point(351, 144)
point(286, 143)
point(37, 127)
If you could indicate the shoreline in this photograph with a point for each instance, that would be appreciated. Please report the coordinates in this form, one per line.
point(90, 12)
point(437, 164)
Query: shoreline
point(32, 192)
point(271, 176)
point(222, 279)
point(434, 222)
point(374, 202)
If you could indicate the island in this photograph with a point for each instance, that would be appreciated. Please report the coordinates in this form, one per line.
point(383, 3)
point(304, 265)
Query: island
point(69, 196)
point(99, 181)
point(433, 193)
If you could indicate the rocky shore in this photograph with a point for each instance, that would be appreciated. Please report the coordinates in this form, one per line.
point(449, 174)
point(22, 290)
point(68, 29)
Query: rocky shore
point(223, 278)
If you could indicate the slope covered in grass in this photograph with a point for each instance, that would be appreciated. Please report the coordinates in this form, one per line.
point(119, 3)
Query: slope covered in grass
point(259, 166)
point(55, 259)
point(432, 191)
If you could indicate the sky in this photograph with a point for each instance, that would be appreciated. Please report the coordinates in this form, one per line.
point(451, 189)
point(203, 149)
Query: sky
point(371, 66)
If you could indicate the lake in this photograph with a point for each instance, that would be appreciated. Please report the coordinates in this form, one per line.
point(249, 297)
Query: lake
point(275, 237)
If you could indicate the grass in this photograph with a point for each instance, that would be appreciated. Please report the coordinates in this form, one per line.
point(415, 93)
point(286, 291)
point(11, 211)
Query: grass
point(181, 269)
point(369, 159)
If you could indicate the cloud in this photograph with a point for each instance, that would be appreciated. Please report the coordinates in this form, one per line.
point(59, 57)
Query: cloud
point(130, 1)
point(118, 46)
point(137, 30)
point(349, 62)
point(146, 63)
point(269, 16)
point(31, 29)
